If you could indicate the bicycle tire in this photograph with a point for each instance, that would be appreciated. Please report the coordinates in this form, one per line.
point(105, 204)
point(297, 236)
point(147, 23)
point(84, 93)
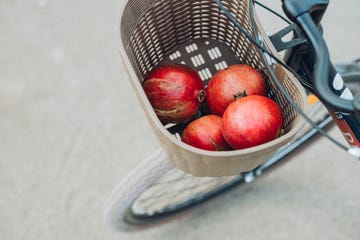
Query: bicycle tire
point(131, 186)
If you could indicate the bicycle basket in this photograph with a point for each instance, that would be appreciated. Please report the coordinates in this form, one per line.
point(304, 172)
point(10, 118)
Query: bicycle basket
point(197, 33)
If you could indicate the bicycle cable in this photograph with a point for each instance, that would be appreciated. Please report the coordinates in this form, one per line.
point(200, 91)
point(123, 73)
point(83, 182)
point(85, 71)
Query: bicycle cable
point(354, 151)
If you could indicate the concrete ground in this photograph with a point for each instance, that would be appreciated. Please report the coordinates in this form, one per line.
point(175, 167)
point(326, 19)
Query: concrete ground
point(71, 128)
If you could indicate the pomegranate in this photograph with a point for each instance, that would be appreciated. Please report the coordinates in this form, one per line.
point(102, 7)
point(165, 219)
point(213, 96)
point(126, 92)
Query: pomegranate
point(205, 133)
point(251, 121)
point(231, 83)
point(175, 92)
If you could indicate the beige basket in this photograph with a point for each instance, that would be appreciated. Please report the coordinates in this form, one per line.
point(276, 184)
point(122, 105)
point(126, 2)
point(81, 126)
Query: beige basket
point(197, 33)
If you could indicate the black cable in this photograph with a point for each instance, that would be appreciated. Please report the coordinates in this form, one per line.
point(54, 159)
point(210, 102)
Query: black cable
point(272, 11)
point(251, 39)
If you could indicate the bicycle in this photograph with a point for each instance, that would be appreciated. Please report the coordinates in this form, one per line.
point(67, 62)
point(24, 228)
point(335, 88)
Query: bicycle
point(155, 190)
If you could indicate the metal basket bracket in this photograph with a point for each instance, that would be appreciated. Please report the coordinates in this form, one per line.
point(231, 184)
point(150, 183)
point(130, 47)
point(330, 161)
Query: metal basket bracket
point(298, 38)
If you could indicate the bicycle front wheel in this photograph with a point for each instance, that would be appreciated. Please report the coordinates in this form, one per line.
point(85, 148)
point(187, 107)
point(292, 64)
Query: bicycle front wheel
point(156, 191)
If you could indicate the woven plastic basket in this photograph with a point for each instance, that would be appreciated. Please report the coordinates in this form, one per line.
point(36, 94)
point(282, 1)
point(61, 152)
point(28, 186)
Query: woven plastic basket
point(197, 33)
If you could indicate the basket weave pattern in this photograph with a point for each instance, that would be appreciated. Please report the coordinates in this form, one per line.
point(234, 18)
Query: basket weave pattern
point(151, 30)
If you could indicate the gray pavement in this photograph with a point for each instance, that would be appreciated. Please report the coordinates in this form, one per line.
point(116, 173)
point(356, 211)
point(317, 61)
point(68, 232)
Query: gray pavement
point(71, 127)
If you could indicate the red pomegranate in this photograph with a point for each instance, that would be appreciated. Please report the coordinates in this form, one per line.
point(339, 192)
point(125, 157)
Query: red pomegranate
point(175, 92)
point(231, 83)
point(251, 121)
point(205, 133)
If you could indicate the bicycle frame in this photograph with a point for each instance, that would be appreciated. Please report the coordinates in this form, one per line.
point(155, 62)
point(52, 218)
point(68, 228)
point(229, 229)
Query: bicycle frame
point(311, 61)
